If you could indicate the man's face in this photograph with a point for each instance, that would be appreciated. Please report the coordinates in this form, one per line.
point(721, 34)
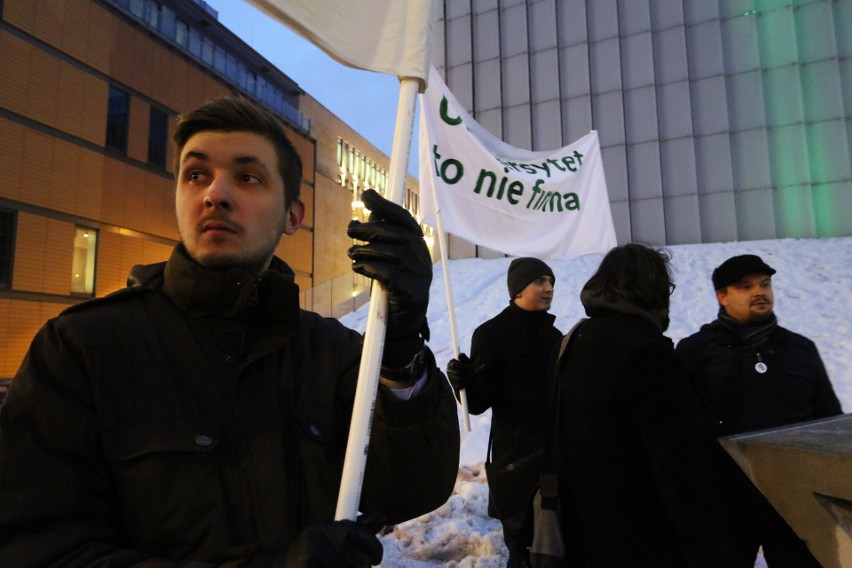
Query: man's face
point(749, 299)
point(230, 200)
point(537, 296)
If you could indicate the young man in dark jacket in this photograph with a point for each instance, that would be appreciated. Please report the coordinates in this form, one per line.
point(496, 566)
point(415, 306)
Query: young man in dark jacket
point(509, 371)
point(751, 374)
point(199, 417)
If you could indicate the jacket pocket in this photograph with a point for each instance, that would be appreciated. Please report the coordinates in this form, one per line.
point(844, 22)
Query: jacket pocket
point(171, 484)
point(138, 441)
point(796, 391)
point(319, 424)
point(322, 445)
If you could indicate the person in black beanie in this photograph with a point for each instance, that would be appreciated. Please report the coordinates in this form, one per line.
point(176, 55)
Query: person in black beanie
point(508, 372)
point(750, 374)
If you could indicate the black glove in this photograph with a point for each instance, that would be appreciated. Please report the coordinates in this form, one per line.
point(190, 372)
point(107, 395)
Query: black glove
point(338, 544)
point(396, 255)
point(460, 372)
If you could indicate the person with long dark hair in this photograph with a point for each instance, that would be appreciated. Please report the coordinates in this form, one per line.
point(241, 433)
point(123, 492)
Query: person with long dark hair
point(634, 473)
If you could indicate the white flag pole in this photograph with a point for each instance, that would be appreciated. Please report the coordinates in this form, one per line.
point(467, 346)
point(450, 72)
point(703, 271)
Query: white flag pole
point(355, 460)
point(454, 333)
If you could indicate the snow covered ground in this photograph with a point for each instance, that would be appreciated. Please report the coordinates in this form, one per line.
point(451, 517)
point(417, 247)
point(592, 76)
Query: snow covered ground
point(813, 296)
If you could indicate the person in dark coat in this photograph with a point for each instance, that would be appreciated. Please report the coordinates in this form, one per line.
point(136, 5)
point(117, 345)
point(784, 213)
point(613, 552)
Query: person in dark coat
point(634, 471)
point(509, 372)
point(199, 417)
point(751, 374)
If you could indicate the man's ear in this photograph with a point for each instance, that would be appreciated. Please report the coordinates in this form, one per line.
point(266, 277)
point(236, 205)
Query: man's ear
point(722, 297)
point(295, 215)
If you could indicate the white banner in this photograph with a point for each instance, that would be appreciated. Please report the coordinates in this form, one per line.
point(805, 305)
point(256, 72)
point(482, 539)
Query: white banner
point(548, 204)
point(386, 36)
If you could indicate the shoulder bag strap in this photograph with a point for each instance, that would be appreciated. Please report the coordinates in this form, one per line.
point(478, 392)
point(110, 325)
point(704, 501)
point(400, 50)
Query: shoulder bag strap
point(551, 460)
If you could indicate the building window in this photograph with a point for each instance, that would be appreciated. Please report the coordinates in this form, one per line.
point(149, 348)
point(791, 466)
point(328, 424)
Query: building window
point(137, 8)
point(83, 263)
point(117, 120)
point(207, 50)
point(168, 23)
point(7, 246)
point(157, 137)
point(195, 42)
point(182, 34)
point(357, 170)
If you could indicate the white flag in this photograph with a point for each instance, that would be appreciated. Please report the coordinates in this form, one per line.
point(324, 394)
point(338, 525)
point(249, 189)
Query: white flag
point(549, 204)
point(386, 36)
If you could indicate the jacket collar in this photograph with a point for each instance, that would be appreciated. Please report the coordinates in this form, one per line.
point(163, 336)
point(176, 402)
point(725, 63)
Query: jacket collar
point(542, 316)
point(232, 294)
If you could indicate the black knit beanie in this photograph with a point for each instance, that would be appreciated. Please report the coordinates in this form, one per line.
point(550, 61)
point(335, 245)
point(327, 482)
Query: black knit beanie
point(524, 270)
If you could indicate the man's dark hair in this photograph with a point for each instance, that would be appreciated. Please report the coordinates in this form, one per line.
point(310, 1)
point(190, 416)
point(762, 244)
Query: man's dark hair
point(636, 274)
point(241, 115)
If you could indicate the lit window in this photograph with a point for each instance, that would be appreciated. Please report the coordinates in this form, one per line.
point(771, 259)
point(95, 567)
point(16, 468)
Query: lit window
point(83, 263)
point(117, 119)
point(7, 247)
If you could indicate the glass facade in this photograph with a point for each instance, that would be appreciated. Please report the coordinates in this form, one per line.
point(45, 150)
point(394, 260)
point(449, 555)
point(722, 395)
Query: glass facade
point(718, 119)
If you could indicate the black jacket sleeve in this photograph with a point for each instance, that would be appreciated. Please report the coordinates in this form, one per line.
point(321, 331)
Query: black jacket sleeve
point(486, 368)
point(825, 401)
point(414, 450)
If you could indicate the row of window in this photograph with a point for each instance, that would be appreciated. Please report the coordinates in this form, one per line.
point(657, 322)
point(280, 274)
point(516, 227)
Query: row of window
point(357, 171)
point(205, 49)
point(84, 253)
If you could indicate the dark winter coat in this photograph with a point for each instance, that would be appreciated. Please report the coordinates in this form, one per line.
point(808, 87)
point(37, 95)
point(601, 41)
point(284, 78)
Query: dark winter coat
point(634, 471)
point(135, 433)
point(513, 354)
point(736, 398)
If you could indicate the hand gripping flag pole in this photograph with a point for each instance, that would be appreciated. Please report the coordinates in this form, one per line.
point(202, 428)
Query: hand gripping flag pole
point(402, 49)
point(374, 337)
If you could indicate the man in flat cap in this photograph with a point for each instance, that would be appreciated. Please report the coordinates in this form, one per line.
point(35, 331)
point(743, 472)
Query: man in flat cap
point(509, 371)
point(750, 374)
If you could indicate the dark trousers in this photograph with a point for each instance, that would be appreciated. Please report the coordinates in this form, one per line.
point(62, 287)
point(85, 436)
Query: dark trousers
point(517, 550)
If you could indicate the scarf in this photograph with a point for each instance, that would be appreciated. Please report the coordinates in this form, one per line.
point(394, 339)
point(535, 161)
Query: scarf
point(751, 334)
